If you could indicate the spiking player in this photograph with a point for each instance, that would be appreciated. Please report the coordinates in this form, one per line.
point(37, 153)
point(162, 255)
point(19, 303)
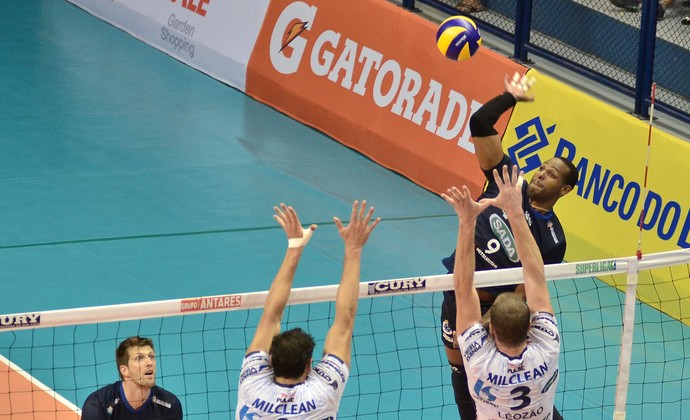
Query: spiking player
point(494, 247)
point(277, 380)
point(511, 365)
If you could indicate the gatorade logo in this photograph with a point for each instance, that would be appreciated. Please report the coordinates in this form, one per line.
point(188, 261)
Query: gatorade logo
point(605, 187)
point(295, 46)
point(505, 237)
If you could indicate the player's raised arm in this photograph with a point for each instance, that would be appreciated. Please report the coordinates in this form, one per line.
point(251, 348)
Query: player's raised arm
point(509, 199)
point(269, 324)
point(355, 236)
point(468, 308)
point(487, 142)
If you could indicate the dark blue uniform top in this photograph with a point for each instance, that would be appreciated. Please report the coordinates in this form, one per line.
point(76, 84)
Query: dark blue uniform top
point(108, 403)
point(493, 245)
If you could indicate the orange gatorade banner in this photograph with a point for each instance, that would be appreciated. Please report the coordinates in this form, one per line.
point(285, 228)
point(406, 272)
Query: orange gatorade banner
point(372, 77)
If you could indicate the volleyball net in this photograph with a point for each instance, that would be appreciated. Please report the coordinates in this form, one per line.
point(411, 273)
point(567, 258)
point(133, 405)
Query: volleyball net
point(50, 361)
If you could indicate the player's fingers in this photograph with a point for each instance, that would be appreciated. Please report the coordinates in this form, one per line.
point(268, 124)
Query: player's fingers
point(292, 215)
point(373, 225)
point(353, 213)
point(280, 221)
point(362, 209)
point(516, 79)
point(370, 213)
point(497, 178)
point(506, 178)
point(507, 81)
point(511, 181)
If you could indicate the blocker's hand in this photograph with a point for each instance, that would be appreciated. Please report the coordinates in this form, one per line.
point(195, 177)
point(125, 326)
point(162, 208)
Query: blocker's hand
point(465, 207)
point(297, 236)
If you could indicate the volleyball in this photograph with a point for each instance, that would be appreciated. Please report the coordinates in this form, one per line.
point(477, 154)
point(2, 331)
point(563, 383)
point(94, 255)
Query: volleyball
point(458, 38)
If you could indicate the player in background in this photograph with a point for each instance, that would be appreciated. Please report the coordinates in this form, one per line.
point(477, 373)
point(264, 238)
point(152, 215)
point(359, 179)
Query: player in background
point(135, 395)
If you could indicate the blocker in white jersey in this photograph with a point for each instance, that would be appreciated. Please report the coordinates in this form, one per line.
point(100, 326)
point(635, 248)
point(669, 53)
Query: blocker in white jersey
point(277, 380)
point(317, 398)
point(525, 385)
point(512, 363)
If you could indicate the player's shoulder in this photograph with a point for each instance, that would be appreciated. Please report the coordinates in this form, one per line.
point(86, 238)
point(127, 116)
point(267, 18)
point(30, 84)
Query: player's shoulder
point(256, 360)
point(548, 224)
point(331, 358)
point(330, 374)
point(256, 367)
point(475, 343)
point(98, 401)
point(106, 393)
point(542, 317)
point(544, 324)
point(334, 364)
point(163, 395)
point(258, 355)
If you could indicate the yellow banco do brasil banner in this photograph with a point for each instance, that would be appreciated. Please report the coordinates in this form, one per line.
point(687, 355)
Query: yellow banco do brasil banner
point(609, 147)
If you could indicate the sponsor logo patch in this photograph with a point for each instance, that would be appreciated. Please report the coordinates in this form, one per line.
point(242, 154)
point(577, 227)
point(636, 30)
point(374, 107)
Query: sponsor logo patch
point(395, 286)
point(20, 320)
point(210, 303)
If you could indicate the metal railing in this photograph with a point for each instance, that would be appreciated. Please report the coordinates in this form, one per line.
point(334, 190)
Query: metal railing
point(623, 50)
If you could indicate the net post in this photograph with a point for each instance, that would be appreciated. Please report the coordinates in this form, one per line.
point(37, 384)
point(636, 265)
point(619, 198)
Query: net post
point(623, 378)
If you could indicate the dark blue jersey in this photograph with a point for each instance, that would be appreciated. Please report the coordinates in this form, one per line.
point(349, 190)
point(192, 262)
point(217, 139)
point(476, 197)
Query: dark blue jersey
point(109, 403)
point(494, 245)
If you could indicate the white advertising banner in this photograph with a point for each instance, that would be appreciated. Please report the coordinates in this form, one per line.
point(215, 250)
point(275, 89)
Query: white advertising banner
point(213, 36)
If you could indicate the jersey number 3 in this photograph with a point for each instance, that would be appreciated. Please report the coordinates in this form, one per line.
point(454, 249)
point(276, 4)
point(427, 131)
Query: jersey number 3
point(521, 394)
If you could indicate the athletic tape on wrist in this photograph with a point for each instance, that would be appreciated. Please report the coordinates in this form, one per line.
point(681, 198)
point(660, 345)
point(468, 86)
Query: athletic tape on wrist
point(304, 240)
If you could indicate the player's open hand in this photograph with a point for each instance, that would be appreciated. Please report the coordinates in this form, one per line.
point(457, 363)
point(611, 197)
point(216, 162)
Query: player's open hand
point(510, 189)
point(357, 231)
point(461, 200)
point(520, 86)
point(288, 220)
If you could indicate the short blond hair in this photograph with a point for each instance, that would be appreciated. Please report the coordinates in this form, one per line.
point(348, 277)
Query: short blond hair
point(510, 319)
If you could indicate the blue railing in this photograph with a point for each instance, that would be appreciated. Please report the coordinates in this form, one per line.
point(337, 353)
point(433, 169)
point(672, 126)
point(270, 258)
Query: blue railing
point(624, 47)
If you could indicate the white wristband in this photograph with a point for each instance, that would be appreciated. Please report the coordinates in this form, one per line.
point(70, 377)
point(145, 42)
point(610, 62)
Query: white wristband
point(303, 241)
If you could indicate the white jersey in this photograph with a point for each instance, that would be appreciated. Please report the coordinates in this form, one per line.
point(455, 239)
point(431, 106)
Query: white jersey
point(317, 398)
point(513, 388)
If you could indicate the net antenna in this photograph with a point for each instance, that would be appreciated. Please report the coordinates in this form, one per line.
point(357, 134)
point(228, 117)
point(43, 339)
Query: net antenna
point(646, 170)
point(623, 379)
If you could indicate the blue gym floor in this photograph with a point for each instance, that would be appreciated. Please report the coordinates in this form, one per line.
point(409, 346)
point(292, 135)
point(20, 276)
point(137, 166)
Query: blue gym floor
point(126, 176)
